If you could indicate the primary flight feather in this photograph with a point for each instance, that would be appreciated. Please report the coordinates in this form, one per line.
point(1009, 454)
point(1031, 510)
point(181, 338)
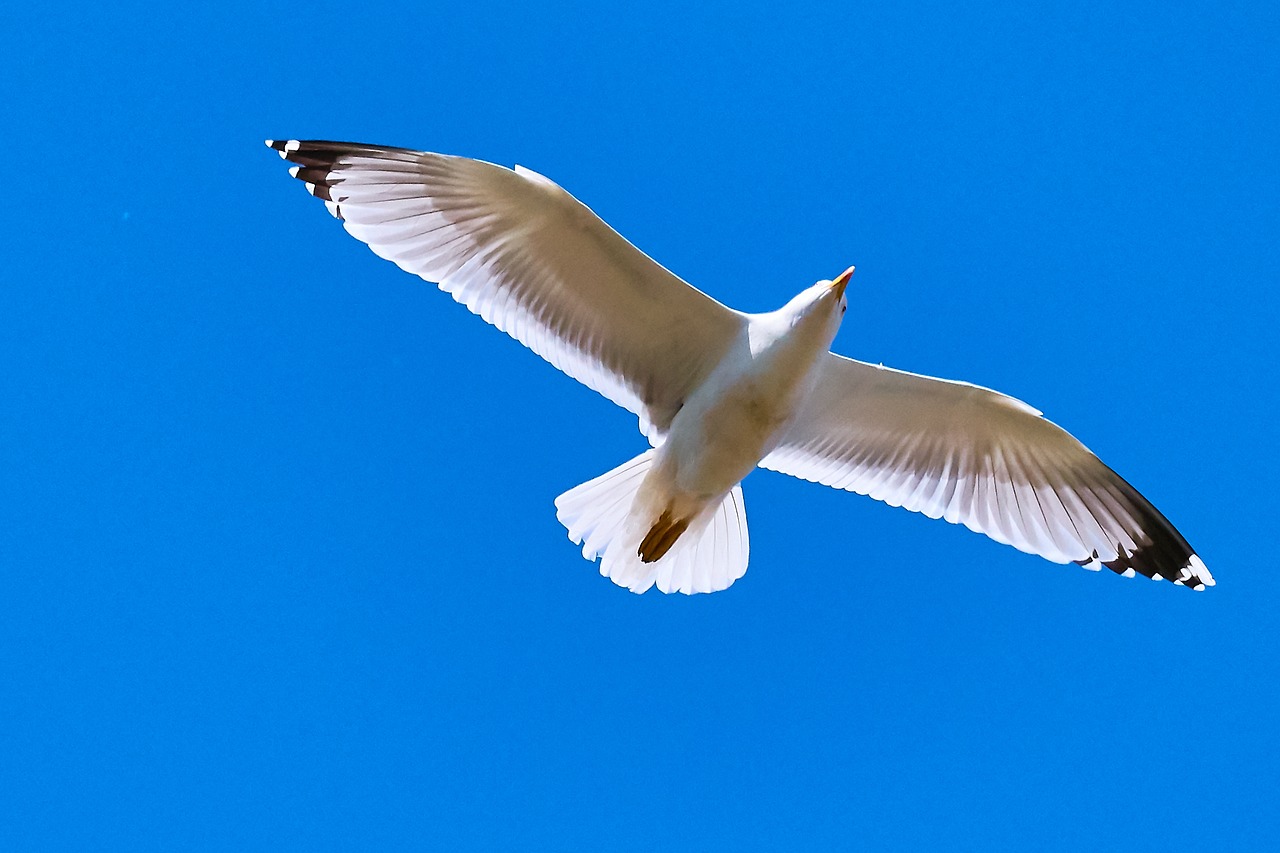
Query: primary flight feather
point(719, 392)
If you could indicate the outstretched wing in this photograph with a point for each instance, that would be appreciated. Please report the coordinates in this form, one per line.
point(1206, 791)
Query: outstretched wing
point(532, 260)
point(978, 458)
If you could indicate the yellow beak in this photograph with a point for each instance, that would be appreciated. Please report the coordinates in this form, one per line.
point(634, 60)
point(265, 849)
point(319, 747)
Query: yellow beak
point(842, 281)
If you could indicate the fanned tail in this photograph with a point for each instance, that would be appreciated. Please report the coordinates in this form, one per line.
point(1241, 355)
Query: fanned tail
point(611, 520)
point(596, 512)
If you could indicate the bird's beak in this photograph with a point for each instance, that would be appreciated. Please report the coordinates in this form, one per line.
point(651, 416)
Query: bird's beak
point(841, 282)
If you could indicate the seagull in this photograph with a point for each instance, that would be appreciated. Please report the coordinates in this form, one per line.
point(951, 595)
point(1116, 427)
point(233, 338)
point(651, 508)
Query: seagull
point(720, 392)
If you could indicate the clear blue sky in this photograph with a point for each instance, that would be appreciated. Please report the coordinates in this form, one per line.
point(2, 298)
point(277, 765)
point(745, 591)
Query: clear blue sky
point(280, 564)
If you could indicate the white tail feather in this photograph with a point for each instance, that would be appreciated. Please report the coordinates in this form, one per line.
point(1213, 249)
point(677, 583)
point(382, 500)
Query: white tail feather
point(603, 514)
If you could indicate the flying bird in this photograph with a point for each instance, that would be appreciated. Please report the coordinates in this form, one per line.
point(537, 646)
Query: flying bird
point(719, 392)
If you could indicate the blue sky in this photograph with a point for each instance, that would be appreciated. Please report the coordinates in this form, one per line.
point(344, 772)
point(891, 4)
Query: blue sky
point(281, 568)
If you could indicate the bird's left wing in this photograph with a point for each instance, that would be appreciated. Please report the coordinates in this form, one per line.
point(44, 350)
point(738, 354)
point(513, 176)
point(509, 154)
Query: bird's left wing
point(532, 260)
point(979, 458)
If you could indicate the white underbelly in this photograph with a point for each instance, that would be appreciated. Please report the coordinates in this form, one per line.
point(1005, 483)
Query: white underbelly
point(716, 441)
point(737, 415)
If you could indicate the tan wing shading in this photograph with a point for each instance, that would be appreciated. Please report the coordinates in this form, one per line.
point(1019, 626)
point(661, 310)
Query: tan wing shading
point(978, 458)
point(532, 260)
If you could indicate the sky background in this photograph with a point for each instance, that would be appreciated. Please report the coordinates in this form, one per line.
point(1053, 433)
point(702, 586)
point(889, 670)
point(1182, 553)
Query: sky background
point(281, 568)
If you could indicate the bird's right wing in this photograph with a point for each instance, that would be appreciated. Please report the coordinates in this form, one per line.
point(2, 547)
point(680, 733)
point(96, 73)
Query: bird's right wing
point(979, 458)
point(532, 260)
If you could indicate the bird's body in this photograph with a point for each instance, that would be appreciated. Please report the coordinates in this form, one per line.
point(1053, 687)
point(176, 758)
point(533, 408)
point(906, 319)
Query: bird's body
point(719, 392)
point(739, 414)
point(734, 418)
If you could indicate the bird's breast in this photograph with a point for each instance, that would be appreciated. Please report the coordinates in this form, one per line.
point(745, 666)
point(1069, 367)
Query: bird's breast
point(734, 420)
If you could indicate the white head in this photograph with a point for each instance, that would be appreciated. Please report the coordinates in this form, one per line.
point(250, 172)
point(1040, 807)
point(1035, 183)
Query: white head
point(821, 306)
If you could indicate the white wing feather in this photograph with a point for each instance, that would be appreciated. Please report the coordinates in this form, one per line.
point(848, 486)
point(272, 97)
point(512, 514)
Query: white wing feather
point(532, 260)
point(978, 458)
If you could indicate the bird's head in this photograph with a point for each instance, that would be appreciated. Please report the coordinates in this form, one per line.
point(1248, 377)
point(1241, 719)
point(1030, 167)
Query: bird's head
point(822, 305)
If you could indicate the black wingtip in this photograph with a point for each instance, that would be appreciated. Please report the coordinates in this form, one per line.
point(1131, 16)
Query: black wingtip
point(1167, 559)
point(283, 146)
point(309, 153)
point(1161, 552)
point(1158, 562)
